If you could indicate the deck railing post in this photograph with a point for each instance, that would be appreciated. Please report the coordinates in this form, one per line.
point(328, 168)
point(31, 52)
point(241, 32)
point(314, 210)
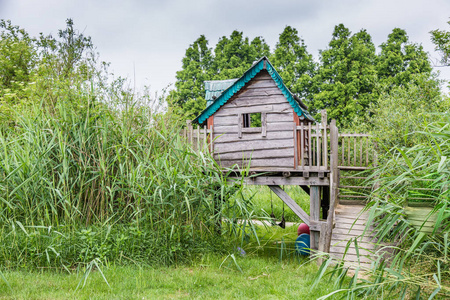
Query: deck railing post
point(302, 146)
point(314, 214)
point(190, 130)
point(334, 177)
point(324, 138)
point(295, 147)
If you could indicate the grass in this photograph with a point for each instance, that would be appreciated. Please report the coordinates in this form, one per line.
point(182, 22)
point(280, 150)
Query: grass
point(261, 277)
point(263, 199)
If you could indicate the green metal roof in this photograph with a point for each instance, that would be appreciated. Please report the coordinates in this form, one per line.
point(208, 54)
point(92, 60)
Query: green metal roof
point(215, 88)
point(238, 84)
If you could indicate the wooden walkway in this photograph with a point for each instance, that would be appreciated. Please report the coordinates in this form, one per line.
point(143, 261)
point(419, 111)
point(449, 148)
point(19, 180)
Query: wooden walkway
point(347, 226)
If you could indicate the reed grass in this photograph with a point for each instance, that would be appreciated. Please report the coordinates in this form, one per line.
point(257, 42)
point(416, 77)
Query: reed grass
point(83, 180)
point(410, 263)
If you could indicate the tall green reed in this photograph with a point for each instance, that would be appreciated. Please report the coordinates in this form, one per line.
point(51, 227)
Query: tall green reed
point(84, 181)
point(409, 262)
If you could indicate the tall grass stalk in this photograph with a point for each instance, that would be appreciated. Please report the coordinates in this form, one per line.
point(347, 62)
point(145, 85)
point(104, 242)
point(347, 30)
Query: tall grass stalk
point(84, 181)
point(417, 262)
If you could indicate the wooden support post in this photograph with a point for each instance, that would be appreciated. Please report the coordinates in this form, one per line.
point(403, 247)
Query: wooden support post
point(322, 241)
point(334, 183)
point(314, 214)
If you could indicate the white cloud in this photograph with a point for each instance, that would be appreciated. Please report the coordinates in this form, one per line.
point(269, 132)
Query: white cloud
point(149, 38)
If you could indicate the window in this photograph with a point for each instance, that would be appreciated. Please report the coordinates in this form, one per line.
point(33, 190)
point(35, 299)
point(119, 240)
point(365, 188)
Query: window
point(252, 123)
point(252, 120)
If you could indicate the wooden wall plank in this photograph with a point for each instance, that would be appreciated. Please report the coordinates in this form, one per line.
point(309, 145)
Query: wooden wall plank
point(266, 153)
point(254, 145)
point(229, 138)
point(273, 163)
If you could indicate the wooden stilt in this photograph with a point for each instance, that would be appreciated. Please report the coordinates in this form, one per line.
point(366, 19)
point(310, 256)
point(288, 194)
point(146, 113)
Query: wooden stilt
point(314, 197)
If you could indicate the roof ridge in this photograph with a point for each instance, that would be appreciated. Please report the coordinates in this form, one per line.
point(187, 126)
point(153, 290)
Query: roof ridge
point(262, 63)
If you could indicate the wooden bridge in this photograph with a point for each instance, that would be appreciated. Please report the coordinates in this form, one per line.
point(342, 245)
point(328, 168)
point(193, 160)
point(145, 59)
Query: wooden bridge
point(325, 164)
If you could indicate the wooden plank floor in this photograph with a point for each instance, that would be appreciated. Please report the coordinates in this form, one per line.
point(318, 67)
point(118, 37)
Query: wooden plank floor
point(347, 227)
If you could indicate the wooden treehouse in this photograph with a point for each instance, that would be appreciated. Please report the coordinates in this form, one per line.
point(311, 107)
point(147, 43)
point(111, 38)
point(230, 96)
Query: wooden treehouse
point(256, 123)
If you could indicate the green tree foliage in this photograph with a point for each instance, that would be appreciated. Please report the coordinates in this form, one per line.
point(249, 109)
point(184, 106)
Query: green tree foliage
point(234, 55)
point(441, 39)
point(400, 59)
point(17, 63)
point(346, 77)
point(188, 98)
point(402, 110)
point(44, 69)
point(294, 63)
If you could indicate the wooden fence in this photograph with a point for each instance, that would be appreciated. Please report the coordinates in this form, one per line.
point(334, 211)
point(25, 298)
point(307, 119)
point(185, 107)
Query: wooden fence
point(313, 142)
point(199, 138)
point(356, 151)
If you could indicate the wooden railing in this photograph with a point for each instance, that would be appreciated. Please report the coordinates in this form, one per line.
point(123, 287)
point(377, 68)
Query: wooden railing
point(312, 140)
point(312, 146)
point(356, 151)
point(198, 137)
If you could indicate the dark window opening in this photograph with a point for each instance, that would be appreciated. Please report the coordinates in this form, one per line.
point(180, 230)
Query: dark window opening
point(251, 120)
point(246, 120)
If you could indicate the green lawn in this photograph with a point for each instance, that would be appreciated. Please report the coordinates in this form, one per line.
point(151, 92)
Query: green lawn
point(269, 270)
point(261, 278)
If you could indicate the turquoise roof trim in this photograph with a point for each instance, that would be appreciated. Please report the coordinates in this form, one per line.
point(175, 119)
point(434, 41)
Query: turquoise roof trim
point(263, 63)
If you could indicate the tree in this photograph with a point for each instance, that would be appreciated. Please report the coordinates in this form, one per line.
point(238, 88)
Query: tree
point(234, 55)
point(187, 100)
point(400, 59)
point(293, 62)
point(17, 62)
point(441, 39)
point(346, 76)
point(403, 110)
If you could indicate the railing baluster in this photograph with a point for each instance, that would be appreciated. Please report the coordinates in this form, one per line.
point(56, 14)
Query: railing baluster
point(361, 140)
point(309, 144)
point(348, 152)
point(295, 147)
point(318, 145)
point(367, 151)
point(302, 145)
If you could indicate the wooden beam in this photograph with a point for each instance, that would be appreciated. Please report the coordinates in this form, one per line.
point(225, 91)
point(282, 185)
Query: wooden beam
point(334, 183)
point(269, 180)
point(314, 212)
point(290, 202)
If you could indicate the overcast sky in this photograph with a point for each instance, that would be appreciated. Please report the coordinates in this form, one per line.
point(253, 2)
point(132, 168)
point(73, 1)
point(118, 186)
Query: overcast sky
point(146, 40)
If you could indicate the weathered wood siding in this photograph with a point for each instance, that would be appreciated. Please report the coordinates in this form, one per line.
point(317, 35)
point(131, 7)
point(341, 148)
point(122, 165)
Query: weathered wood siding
point(275, 150)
